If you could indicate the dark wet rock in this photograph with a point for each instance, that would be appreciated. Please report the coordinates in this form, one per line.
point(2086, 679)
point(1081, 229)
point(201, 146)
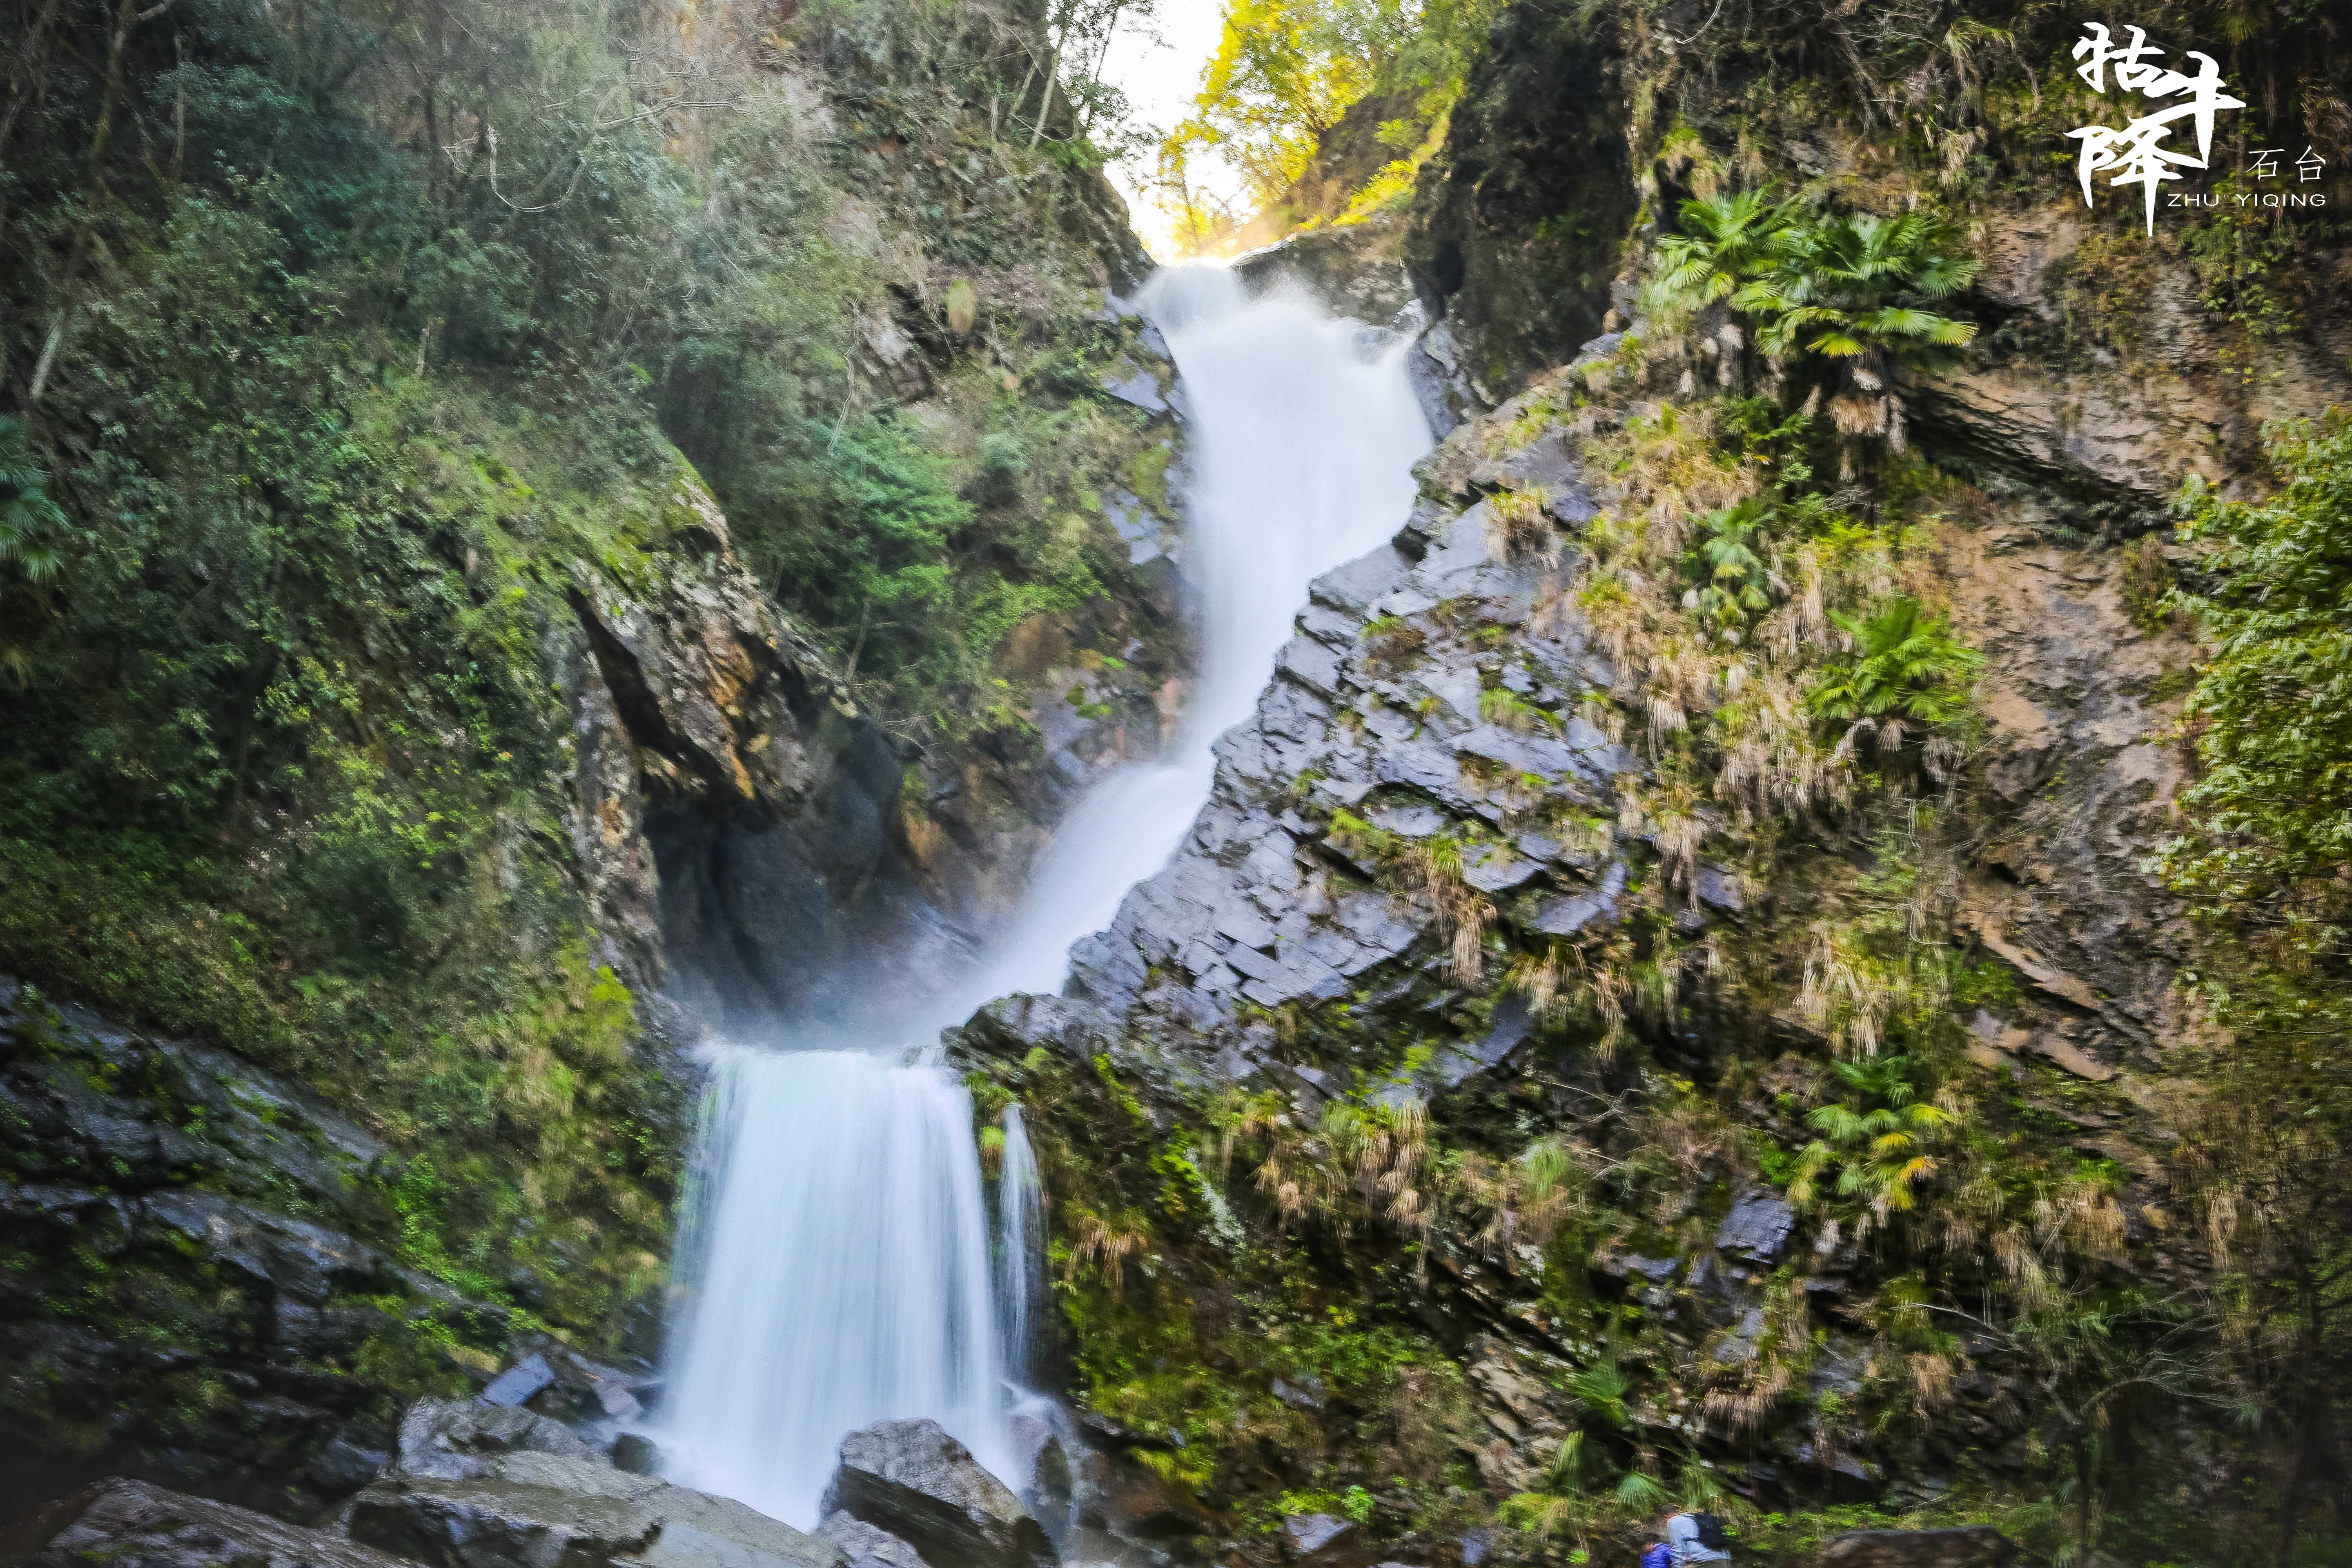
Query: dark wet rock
point(746, 831)
point(342, 1467)
point(735, 787)
point(636, 1452)
point(1536, 142)
point(529, 1509)
point(1114, 1493)
point(1566, 916)
point(867, 1547)
point(131, 1524)
point(1045, 1477)
point(519, 1382)
point(1097, 1429)
point(915, 1482)
point(1321, 1538)
point(1720, 888)
point(580, 1389)
point(452, 1439)
point(1974, 1546)
point(1757, 1229)
point(247, 1220)
point(1513, 1023)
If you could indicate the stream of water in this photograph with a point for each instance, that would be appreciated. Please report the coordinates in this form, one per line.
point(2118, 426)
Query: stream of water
point(835, 1248)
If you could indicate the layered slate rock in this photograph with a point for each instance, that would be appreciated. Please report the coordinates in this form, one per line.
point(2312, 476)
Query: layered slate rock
point(131, 1524)
point(1756, 1228)
point(1321, 1538)
point(455, 1440)
point(1395, 708)
point(912, 1480)
point(532, 1509)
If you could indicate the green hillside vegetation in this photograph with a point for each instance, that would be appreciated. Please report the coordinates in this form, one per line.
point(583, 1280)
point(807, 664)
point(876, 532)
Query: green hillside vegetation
point(339, 338)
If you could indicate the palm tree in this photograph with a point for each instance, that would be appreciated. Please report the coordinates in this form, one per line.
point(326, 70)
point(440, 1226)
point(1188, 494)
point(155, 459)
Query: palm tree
point(1903, 666)
point(1847, 290)
point(31, 525)
point(1876, 1139)
point(1724, 242)
point(29, 520)
point(1734, 579)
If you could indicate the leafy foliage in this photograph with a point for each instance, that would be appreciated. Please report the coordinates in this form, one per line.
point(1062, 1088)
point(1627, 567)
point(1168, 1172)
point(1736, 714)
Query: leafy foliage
point(349, 342)
point(2272, 709)
point(1845, 296)
point(32, 533)
point(1284, 75)
point(1725, 243)
point(30, 520)
point(2264, 1116)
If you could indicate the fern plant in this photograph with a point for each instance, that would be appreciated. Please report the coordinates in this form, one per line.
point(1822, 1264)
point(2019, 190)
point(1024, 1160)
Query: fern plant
point(1844, 286)
point(1876, 1140)
point(1849, 290)
point(30, 522)
point(1733, 580)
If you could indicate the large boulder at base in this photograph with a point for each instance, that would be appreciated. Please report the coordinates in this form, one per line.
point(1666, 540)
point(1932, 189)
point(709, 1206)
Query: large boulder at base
point(458, 1439)
point(912, 1480)
point(530, 1510)
point(1971, 1546)
point(130, 1524)
point(867, 1547)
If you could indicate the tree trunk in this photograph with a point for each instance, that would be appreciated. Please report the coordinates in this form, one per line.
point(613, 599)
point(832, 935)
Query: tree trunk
point(2081, 1500)
point(2309, 1411)
point(127, 16)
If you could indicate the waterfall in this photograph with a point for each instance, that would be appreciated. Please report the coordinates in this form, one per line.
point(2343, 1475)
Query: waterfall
point(835, 1247)
point(840, 1240)
point(1021, 1240)
point(1302, 445)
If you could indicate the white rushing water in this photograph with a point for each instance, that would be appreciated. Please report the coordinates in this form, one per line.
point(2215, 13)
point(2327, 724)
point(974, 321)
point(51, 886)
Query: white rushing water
point(1020, 1242)
point(835, 1244)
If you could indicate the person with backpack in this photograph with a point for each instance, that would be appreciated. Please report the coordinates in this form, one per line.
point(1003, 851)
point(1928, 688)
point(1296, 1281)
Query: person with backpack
point(1694, 1538)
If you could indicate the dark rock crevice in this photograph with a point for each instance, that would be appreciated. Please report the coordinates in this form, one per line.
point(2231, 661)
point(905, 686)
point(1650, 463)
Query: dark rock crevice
point(1519, 226)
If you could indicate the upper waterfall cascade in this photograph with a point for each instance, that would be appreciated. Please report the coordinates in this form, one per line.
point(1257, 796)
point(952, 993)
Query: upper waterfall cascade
point(836, 1242)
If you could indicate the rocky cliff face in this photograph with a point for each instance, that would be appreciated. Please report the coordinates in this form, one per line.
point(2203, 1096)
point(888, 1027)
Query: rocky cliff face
point(758, 846)
point(1451, 1118)
point(738, 814)
point(1378, 740)
point(508, 774)
point(201, 1283)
